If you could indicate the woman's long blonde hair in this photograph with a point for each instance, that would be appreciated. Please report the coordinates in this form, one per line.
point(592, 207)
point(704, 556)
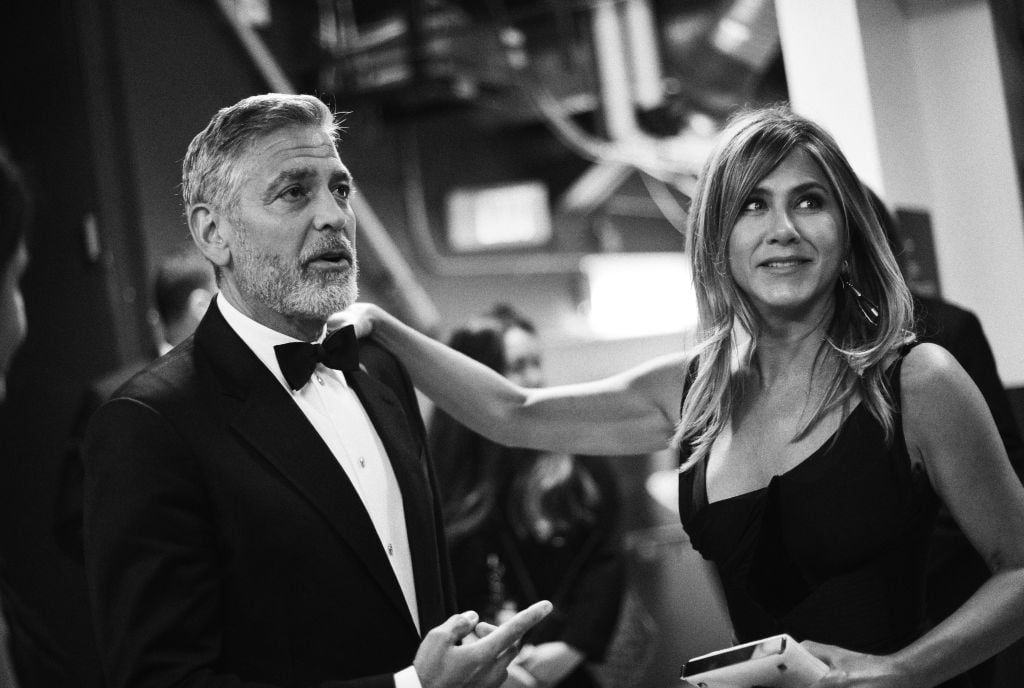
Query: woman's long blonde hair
point(753, 143)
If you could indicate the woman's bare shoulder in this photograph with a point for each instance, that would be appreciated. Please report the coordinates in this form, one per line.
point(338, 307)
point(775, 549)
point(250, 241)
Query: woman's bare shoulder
point(929, 369)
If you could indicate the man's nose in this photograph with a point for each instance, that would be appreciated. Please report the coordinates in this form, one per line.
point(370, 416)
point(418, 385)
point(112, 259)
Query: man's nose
point(329, 214)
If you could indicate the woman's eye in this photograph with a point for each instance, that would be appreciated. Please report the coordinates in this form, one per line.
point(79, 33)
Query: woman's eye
point(809, 203)
point(752, 204)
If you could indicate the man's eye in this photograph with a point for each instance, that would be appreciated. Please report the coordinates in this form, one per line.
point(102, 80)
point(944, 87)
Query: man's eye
point(293, 193)
point(343, 191)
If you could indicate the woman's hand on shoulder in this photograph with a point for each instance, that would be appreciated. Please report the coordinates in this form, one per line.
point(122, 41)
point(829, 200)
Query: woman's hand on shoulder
point(361, 316)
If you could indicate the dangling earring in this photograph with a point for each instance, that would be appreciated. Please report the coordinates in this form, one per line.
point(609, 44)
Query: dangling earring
point(867, 308)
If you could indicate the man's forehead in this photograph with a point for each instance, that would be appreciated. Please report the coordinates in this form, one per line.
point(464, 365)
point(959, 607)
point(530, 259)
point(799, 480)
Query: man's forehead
point(290, 143)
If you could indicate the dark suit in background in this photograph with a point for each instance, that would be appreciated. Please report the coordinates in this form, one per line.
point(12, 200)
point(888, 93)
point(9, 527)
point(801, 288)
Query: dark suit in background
point(214, 509)
point(182, 289)
point(955, 569)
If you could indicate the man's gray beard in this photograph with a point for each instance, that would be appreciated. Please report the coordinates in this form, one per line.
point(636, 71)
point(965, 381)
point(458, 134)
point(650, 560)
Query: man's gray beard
point(290, 289)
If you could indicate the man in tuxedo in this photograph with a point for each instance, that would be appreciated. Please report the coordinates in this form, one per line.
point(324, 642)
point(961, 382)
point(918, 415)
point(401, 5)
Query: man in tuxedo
point(253, 515)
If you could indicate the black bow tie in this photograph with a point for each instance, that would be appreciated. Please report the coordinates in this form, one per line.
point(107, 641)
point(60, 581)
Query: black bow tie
point(340, 350)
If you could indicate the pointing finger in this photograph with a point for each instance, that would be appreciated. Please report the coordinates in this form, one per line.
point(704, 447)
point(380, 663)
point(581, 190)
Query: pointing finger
point(504, 637)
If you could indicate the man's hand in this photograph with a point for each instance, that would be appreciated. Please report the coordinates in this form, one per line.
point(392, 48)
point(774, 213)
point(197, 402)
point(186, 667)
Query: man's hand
point(442, 662)
point(548, 663)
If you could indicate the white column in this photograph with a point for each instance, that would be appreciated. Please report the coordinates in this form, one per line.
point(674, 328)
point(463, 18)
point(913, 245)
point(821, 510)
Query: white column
point(827, 76)
point(912, 91)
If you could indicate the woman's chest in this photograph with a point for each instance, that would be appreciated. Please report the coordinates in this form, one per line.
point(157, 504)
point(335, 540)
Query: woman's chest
point(851, 499)
point(763, 443)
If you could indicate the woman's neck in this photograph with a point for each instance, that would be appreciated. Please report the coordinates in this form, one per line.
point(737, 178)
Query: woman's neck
point(789, 346)
point(785, 353)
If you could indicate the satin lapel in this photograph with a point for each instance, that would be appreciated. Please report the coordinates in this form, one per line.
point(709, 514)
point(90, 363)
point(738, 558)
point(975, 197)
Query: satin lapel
point(396, 432)
point(267, 419)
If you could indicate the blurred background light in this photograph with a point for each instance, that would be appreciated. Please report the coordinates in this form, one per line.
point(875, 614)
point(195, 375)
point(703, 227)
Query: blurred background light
point(505, 215)
point(638, 294)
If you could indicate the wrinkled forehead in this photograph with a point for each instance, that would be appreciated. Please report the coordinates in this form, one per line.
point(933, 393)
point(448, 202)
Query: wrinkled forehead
point(286, 145)
point(296, 151)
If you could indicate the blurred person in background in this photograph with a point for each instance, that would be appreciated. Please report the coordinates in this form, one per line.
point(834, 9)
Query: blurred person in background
point(524, 525)
point(14, 223)
point(14, 227)
point(182, 290)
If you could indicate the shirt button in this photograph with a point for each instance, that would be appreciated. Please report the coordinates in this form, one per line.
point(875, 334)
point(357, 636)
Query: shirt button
point(391, 550)
point(362, 462)
point(319, 380)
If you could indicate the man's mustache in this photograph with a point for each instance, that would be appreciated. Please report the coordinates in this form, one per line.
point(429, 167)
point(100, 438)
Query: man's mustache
point(339, 249)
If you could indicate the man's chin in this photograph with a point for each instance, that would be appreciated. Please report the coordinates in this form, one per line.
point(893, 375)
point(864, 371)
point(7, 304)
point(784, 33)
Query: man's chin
point(325, 302)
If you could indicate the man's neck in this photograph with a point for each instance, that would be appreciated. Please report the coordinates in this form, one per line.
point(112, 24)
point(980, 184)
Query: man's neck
point(305, 329)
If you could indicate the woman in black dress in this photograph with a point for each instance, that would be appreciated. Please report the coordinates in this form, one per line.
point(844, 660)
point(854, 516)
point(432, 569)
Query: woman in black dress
point(816, 439)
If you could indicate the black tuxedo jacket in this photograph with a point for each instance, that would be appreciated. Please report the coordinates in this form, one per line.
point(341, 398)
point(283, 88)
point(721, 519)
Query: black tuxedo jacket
point(225, 546)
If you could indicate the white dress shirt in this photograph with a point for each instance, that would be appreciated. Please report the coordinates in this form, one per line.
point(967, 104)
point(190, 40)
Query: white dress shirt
point(337, 415)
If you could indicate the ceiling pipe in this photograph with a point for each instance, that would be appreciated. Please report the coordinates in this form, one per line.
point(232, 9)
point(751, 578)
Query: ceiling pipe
point(613, 72)
point(642, 52)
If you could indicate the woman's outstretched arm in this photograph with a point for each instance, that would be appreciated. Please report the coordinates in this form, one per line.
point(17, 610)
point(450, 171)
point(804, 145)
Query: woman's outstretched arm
point(630, 413)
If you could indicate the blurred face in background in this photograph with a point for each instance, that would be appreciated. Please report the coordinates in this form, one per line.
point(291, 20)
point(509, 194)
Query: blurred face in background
point(13, 327)
point(522, 352)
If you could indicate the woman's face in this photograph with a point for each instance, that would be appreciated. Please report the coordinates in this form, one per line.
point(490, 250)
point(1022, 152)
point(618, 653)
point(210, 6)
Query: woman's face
point(789, 241)
point(522, 352)
point(13, 327)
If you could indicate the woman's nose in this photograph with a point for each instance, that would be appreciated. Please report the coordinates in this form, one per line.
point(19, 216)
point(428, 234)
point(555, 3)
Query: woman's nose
point(783, 230)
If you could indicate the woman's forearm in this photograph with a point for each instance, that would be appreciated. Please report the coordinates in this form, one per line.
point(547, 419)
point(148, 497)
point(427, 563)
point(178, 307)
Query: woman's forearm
point(624, 414)
point(991, 620)
point(472, 393)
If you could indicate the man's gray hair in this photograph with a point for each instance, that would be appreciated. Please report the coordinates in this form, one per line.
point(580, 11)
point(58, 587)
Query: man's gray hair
point(210, 172)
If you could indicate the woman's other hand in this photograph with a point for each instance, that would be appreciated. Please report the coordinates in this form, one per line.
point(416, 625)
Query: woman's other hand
point(856, 670)
point(548, 663)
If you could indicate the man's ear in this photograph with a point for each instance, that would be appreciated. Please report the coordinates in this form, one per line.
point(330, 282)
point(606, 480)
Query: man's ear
point(210, 233)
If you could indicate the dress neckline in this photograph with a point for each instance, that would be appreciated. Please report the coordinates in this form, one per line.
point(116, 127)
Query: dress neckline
point(820, 449)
